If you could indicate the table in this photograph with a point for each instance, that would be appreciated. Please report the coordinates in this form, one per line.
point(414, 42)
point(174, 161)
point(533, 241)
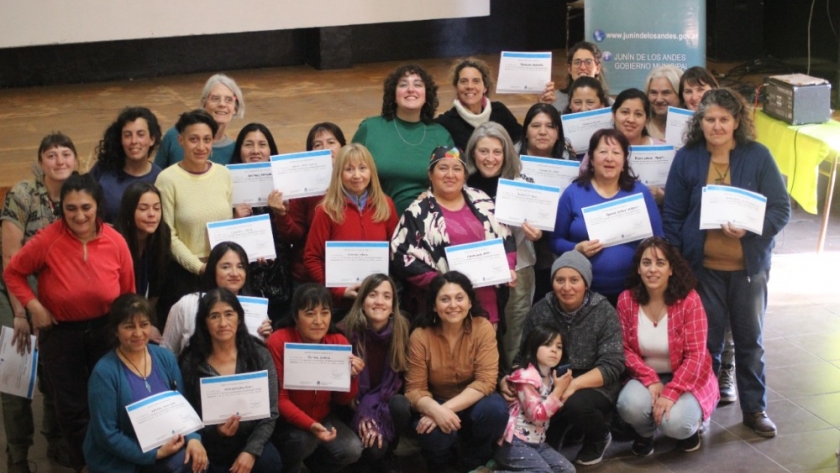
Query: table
point(798, 151)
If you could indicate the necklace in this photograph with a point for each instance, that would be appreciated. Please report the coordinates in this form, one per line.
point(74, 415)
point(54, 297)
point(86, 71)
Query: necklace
point(403, 139)
point(144, 378)
point(656, 316)
point(721, 179)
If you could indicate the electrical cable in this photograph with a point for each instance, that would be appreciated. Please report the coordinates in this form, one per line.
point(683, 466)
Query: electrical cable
point(828, 15)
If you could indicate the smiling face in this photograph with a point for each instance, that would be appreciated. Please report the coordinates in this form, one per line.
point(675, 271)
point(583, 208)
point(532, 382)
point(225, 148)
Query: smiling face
point(608, 160)
point(655, 270)
point(550, 354)
point(197, 142)
point(222, 322)
point(221, 104)
point(693, 93)
point(471, 88)
point(661, 96)
point(489, 156)
point(448, 177)
point(312, 324)
point(136, 140)
point(355, 177)
point(630, 120)
point(585, 99)
point(452, 304)
point(379, 305)
point(569, 288)
point(230, 272)
point(79, 209)
point(583, 63)
point(326, 140)
point(542, 135)
point(255, 148)
point(719, 127)
point(148, 213)
point(410, 94)
point(133, 333)
point(57, 163)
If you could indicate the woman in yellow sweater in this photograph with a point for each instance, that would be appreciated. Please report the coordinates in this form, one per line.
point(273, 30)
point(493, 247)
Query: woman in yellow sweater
point(193, 192)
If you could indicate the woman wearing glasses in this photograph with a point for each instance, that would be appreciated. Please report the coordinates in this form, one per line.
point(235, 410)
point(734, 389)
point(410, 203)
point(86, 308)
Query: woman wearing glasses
point(584, 59)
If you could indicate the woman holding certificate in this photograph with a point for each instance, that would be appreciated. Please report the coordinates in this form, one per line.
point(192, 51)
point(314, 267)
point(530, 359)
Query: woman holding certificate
point(221, 346)
point(131, 372)
point(453, 364)
point(194, 192)
point(354, 209)
point(606, 179)
point(82, 265)
point(732, 265)
point(401, 138)
point(449, 213)
point(310, 431)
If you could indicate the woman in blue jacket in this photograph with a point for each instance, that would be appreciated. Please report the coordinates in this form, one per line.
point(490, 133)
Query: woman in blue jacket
point(732, 265)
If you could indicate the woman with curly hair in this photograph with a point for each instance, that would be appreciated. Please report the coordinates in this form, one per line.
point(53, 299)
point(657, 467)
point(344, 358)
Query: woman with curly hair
point(671, 381)
point(123, 156)
point(404, 135)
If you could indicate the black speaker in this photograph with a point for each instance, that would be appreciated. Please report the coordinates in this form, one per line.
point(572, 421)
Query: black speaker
point(734, 29)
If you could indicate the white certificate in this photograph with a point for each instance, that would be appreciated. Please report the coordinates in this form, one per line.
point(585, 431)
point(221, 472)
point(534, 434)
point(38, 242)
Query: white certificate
point(518, 202)
point(579, 127)
point(253, 234)
point(675, 125)
point(523, 73)
point(618, 221)
point(651, 163)
point(314, 366)
point(725, 204)
point(549, 171)
point(350, 262)
point(252, 182)
point(302, 174)
point(158, 418)
point(484, 263)
point(244, 394)
point(17, 372)
point(256, 311)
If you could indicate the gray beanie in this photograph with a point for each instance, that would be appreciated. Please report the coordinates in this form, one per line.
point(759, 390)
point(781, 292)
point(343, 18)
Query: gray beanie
point(575, 260)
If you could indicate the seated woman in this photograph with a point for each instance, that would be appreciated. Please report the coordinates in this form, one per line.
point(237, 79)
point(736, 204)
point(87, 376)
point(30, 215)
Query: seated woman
point(133, 371)
point(310, 431)
point(223, 100)
point(671, 381)
point(593, 350)
point(661, 87)
point(379, 335)
point(694, 83)
point(473, 82)
point(354, 209)
point(221, 346)
point(607, 179)
point(453, 364)
point(227, 267)
point(123, 156)
point(585, 94)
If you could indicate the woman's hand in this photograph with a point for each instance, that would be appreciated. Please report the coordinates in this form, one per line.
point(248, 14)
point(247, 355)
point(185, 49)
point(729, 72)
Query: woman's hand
point(561, 383)
point(512, 282)
point(446, 419)
point(276, 204)
point(356, 365)
point(531, 233)
point(662, 407)
point(229, 428)
point(42, 318)
point(732, 231)
point(548, 96)
point(426, 425)
point(196, 453)
point(22, 339)
point(242, 210)
point(169, 448)
point(506, 389)
point(369, 433)
point(567, 393)
point(655, 390)
point(589, 248)
point(264, 330)
point(155, 335)
point(244, 463)
point(321, 432)
point(658, 194)
point(350, 292)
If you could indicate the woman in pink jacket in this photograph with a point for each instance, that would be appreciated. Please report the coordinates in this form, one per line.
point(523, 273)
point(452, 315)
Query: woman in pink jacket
point(671, 382)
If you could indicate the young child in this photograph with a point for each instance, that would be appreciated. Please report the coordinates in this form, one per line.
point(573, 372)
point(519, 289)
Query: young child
point(538, 392)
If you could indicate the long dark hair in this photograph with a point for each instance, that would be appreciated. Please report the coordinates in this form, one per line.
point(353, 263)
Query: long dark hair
point(429, 318)
point(251, 127)
point(208, 279)
point(626, 179)
point(630, 94)
point(584, 82)
point(561, 145)
point(541, 335)
point(110, 153)
point(201, 344)
point(389, 95)
point(158, 244)
point(681, 281)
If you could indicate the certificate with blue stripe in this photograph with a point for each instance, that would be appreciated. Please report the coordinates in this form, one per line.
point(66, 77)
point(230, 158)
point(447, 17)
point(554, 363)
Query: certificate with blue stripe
point(253, 234)
point(518, 202)
point(618, 221)
point(302, 174)
point(549, 171)
point(17, 372)
point(523, 73)
point(675, 125)
point(245, 395)
point(348, 263)
point(316, 367)
point(579, 127)
point(483, 262)
point(720, 205)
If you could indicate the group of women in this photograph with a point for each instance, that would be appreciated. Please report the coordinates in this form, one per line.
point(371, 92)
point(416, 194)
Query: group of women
point(562, 335)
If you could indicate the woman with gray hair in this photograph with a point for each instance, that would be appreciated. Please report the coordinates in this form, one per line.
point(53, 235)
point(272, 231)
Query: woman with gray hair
point(661, 87)
point(491, 155)
point(223, 100)
point(732, 265)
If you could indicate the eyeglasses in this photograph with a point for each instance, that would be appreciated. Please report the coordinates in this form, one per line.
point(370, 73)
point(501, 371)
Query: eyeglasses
point(579, 62)
point(217, 99)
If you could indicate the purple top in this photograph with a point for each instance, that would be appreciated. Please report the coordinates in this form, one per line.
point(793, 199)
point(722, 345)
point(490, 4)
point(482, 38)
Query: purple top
point(138, 386)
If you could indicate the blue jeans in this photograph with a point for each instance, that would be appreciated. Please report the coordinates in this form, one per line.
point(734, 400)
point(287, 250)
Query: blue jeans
point(733, 298)
point(634, 406)
point(481, 426)
point(531, 457)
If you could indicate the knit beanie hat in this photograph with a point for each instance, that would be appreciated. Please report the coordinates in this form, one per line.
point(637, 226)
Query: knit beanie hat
point(575, 260)
point(442, 152)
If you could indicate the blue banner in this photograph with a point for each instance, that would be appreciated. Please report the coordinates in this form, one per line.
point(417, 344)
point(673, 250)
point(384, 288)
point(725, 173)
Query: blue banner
point(636, 36)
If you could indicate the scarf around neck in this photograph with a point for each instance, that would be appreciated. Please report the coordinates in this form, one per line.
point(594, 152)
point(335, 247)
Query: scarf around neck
point(472, 118)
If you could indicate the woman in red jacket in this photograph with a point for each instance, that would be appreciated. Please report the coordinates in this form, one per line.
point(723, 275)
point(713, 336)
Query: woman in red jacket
point(309, 430)
point(82, 266)
point(354, 209)
point(671, 381)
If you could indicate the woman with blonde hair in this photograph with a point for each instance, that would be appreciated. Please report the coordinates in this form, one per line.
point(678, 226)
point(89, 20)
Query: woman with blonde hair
point(355, 208)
